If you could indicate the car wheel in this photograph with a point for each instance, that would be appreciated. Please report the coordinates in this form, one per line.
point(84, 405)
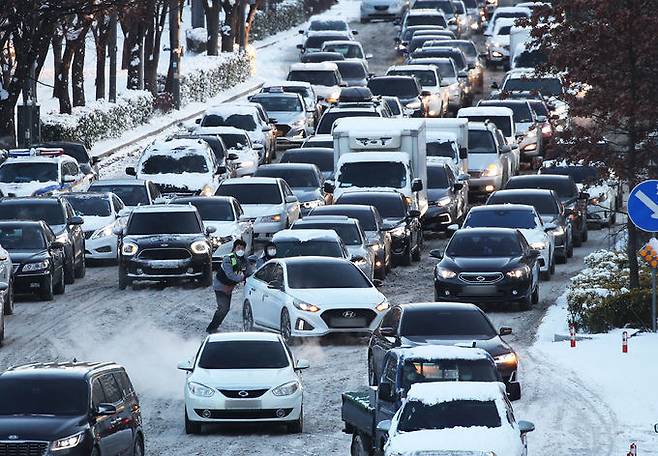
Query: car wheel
point(585, 235)
point(8, 306)
point(372, 374)
point(95, 452)
point(526, 303)
point(407, 258)
point(552, 267)
point(562, 258)
point(81, 268)
point(577, 240)
point(247, 317)
point(206, 278)
point(570, 249)
point(46, 291)
point(2, 328)
point(124, 281)
point(419, 246)
point(285, 327)
point(191, 427)
point(297, 426)
point(69, 272)
point(359, 446)
point(535, 295)
point(61, 284)
point(139, 447)
point(546, 275)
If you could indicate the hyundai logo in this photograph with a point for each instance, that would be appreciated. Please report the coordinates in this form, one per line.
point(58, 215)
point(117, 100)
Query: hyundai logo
point(243, 393)
point(480, 279)
point(349, 314)
point(12, 437)
point(164, 245)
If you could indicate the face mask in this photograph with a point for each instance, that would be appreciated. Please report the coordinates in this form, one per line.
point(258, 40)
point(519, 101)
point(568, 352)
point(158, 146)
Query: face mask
point(271, 252)
point(239, 253)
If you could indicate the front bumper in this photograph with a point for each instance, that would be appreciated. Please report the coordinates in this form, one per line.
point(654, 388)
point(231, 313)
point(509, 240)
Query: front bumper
point(399, 245)
point(154, 269)
point(104, 248)
point(504, 291)
point(359, 320)
point(221, 409)
point(30, 281)
point(437, 218)
point(263, 231)
point(484, 185)
point(380, 11)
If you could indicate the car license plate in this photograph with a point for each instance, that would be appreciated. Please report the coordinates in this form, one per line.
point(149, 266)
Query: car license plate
point(340, 322)
point(166, 264)
point(480, 290)
point(243, 404)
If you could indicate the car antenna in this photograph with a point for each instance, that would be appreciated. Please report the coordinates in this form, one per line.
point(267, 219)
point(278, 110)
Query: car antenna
point(75, 360)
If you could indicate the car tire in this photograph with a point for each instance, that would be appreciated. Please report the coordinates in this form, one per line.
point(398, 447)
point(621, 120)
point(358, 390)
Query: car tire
point(552, 266)
point(206, 279)
point(526, 303)
point(60, 288)
point(613, 218)
point(138, 450)
point(69, 272)
point(570, 250)
point(81, 268)
point(285, 327)
point(546, 275)
point(46, 291)
point(407, 258)
point(585, 235)
point(95, 452)
point(191, 427)
point(577, 240)
point(2, 329)
point(247, 317)
point(296, 426)
point(372, 375)
point(124, 281)
point(535, 296)
point(359, 446)
point(561, 259)
point(419, 246)
point(8, 306)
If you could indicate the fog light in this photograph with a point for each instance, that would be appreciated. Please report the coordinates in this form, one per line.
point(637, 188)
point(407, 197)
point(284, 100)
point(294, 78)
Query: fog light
point(489, 188)
point(206, 414)
point(280, 413)
point(514, 292)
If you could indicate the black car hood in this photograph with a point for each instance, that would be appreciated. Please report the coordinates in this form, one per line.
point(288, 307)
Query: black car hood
point(435, 194)
point(39, 427)
point(494, 346)
point(405, 101)
point(480, 264)
point(21, 256)
point(392, 222)
point(164, 240)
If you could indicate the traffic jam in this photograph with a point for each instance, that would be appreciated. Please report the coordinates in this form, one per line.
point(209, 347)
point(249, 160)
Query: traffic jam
point(296, 209)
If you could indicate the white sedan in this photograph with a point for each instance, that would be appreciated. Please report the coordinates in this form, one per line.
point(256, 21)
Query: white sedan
point(472, 418)
point(312, 296)
point(243, 377)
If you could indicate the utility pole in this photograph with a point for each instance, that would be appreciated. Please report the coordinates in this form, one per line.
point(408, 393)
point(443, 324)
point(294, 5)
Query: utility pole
point(112, 45)
point(175, 49)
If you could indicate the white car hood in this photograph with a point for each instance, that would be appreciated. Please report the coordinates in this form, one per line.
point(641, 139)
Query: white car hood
point(27, 188)
point(190, 181)
point(595, 191)
point(534, 235)
point(481, 161)
point(339, 298)
point(242, 378)
point(259, 210)
point(222, 229)
point(94, 222)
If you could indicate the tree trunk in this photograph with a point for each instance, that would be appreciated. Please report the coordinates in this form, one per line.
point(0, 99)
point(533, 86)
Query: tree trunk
point(62, 81)
point(250, 19)
point(152, 46)
point(240, 32)
point(57, 56)
point(101, 54)
point(212, 19)
point(7, 125)
point(228, 35)
point(78, 76)
point(632, 248)
point(135, 40)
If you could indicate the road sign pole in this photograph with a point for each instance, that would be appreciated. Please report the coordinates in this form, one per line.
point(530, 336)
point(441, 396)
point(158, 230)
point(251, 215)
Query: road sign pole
point(653, 300)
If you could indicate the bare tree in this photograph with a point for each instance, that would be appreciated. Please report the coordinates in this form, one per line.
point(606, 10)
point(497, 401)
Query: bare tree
point(212, 9)
point(156, 17)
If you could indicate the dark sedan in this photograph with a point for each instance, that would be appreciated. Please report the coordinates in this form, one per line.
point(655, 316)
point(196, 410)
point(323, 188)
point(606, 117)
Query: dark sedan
point(446, 323)
point(322, 157)
point(487, 266)
point(446, 197)
point(304, 179)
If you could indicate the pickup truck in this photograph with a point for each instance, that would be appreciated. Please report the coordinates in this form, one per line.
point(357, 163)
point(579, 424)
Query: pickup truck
point(363, 411)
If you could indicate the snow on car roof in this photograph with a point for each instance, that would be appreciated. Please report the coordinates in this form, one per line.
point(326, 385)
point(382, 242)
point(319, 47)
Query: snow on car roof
point(400, 157)
point(187, 145)
point(118, 182)
point(219, 131)
point(333, 219)
point(344, 42)
point(451, 352)
point(230, 336)
point(495, 207)
point(232, 108)
point(250, 180)
point(376, 125)
point(435, 393)
point(306, 235)
point(425, 12)
point(165, 208)
point(513, 9)
point(441, 136)
point(411, 67)
point(288, 84)
point(319, 66)
point(485, 111)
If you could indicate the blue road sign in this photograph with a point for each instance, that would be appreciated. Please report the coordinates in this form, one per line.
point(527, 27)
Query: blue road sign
point(643, 205)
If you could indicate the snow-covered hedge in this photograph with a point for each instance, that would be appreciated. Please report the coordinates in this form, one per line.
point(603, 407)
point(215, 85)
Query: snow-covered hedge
point(100, 119)
point(205, 77)
point(282, 16)
point(598, 298)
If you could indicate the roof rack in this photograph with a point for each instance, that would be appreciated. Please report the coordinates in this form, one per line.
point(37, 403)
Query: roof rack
point(36, 152)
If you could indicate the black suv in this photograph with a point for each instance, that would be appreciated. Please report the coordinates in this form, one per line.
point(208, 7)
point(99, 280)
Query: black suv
point(163, 243)
point(61, 218)
point(37, 257)
point(69, 409)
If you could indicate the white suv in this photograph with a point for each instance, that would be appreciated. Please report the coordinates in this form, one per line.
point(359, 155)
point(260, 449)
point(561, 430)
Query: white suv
point(240, 377)
point(430, 80)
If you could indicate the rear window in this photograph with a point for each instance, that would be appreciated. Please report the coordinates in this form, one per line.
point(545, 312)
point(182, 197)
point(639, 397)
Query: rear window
point(287, 249)
point(401, 88)
point(83, 205)
point(501, 218)
point(416, 416)
point(522, 111)
point(235, 141)
point(366, 218)
point(321, 78)
point(51, 213)
point(387, 207)
point(441, 149)
point(580, 174)
point(481, 142)
point(323, 161)
point(296, 178)
point(430, 19)
point(309, 275)
point(437, 177)
point(210, 209)
point(424, 77)
point(503, 123)
point(352, 70)
point(447, 322)
point(148, 223)
point(565, 188)
point(243, 354)
point(251, 193)
point(543, 204)
point(131, 195)
point(347, 232)
point(241, 121)
point(329, 117)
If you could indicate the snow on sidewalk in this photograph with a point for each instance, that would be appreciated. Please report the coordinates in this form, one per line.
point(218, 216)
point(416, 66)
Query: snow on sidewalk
point(626, 384)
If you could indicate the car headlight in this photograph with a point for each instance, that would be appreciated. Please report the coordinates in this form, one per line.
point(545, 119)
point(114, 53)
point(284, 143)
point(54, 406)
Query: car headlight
point(200, 390)
point(206, 191)
point(518, 273)
point(199, 247)
point(270, 218)
point(67, 442)
point(306, 307)
point(129, 249)
point(492, 170)
point(507, 358)
point(445, 273)
point(600, 198)
point(559, 231)
point(414, 105)
point(444, 201)
point(103, 232)
point(382, 306)
point(286, 389)
point(529, 147)
point(216, 241)
point(538, 245)
point(38, 266)
point(312, 204)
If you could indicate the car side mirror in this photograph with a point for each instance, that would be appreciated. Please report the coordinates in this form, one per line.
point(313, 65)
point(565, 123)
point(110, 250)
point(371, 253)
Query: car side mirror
point(463, 153)
point(414, 213)
point(416, 185)
point(56, 245)
point(513, 390)
point(257, 146)
point(387, 331)
point(302, 364)
point(186, 365)
point(210, 230)
point(384, 426)
point(457, 186)
point(328, 187)
point(355, 32)
point(526, 426)
point(385, 392)
point(197, 121)
point(462, 74)
point(494, 85)
point(291, 199)
point(583, 196)
point(505, 331)
point(368, 56)
point(300, 47)
point(436, 253)
point(232, 156)
point(117, 231)
point(130, 170)
point(534, 253)
point(76, 220)
point(105, 410)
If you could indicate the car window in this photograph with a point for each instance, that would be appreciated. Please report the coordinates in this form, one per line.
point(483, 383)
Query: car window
point(155, 192)
point(111, 387)
point(264, 274)
point(124, 383)
point(118, 204)
point(392, 318)
point(70, 169)
point(277, 274)
point(97, 394)
point(390, 369)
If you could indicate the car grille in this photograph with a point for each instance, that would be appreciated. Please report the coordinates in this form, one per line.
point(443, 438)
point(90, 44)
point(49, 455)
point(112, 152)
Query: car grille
point(381, 7)
point(282, 130)
point(243, 394)
point(88, 234)
point(245, 414)
point(23, 448)
point(475, 174)
point(166, 188)
point(348, 318)
point(164, 254)
point(480, 277)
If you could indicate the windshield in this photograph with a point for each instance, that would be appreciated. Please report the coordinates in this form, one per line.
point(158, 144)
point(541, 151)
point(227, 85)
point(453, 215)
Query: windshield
point(347, 232)
point(98, 206)
point(372, 174)
point(444, 5)
point(459, 8)
point(352, 70)
point(392, 207)
point(539, 107)
point(441, 149)
point(471, 3)
point(449, 323)
point(243, 354)
point(522, 111)
point(565, 188)
point(21, 238)
point(321, 78)
point(543, 204)
point(579, 173)
point(366, 218)
point(329, 117)
point(550, 87)
point(47, 396)
point(468, 244)
point(430, 19)
point(323, 161)
point(394, 87)
point(22, 173)
point(286, 249)
point(393, 105)
point(437, 177)
point(501, 218)
point(251, 193)
point(51, 213)
point(148, 223)
point(236, 141)
point(442, 51)
point(349, 51)
point(424, 77)
point(467, 47)
point(317, 26)
point(175, 164)
point(241, 121)
point(296, 178)
point(309, 275)
point(279, 104)
point(530, 59)
point(131, 195)
point(210, 209)
point(504, 124)
point(417, 416)
point(447, 370)
point(481, 142)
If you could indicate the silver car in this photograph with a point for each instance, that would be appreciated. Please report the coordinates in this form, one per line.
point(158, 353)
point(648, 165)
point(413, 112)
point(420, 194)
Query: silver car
point(288, 113)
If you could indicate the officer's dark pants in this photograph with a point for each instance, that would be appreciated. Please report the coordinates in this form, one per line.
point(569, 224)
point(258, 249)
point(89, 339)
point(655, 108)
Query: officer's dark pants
point(223, 306)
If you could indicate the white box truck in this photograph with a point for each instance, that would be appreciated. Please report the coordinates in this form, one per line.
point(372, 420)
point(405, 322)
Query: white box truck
point(449, 129)
point(377, 153)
